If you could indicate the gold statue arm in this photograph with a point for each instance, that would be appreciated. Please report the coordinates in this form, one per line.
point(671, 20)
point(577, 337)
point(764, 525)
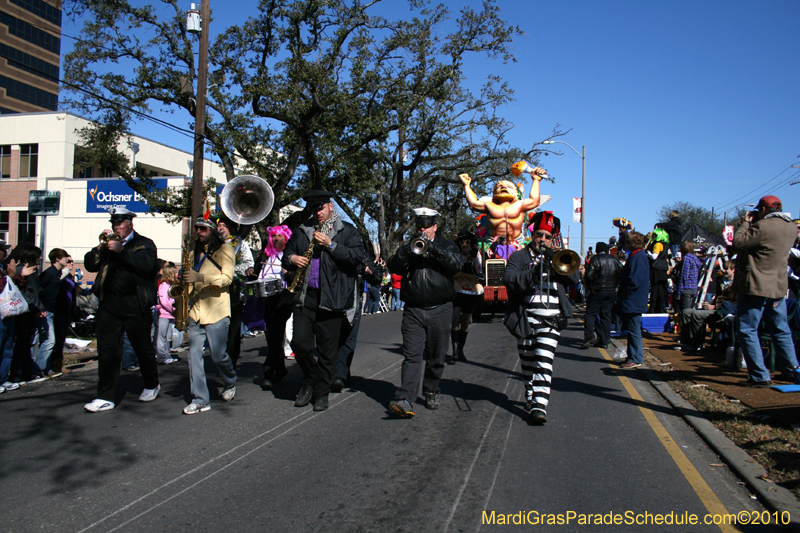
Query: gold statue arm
point(472, 199)
point(532, 201)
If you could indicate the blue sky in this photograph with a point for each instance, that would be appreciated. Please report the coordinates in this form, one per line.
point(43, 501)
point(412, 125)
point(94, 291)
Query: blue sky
point(674, 101)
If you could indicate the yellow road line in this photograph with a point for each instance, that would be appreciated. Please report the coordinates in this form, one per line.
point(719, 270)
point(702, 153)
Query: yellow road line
point(701, 488)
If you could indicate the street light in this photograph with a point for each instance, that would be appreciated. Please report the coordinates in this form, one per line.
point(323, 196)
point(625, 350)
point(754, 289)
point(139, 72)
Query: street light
point(725, 218)
point(583, 188)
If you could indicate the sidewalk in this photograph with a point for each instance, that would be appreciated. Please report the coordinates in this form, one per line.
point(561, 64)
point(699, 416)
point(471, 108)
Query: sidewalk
point(709, 368)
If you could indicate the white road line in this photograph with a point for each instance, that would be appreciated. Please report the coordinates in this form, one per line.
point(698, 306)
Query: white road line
point(499, 464)
point(220, 456)
point(477, 454)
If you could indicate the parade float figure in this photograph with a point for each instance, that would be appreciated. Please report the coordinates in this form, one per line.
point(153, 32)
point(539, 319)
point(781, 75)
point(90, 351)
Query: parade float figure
point(506, 210)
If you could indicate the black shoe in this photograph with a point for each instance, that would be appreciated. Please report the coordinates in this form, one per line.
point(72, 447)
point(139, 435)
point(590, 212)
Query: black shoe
point(321, 404)
point(759, 384)
point(432, 400)
point(266, 384)
point(537, 418)
point(589, 343)
point(462, 340)
point(337, 385)
point(304, 396)
point(603, 346)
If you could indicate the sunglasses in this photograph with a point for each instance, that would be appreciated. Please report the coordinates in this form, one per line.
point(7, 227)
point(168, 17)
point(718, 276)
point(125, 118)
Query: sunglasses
point(542, 234)
point(425, 226)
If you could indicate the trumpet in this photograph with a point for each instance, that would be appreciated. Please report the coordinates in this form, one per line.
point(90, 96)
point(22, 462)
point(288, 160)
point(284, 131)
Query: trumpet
point(419, 245)
point(105, 238)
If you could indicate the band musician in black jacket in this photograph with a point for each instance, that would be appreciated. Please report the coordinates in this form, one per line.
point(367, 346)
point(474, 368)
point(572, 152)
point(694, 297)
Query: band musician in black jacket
point(427, 265)
point(601, 279)
point(126, 287)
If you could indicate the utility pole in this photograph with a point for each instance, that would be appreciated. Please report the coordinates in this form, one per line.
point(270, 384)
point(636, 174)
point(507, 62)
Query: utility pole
point(200, 114)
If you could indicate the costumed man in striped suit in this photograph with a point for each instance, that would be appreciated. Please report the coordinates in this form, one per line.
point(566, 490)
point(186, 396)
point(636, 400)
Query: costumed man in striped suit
point(538, 308)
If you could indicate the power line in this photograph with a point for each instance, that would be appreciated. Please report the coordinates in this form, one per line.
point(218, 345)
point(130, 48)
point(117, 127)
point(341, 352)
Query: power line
point(752, 192)
point(102, 98)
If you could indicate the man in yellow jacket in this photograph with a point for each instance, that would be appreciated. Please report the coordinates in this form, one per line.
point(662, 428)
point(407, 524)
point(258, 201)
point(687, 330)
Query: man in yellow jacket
point(209, 313)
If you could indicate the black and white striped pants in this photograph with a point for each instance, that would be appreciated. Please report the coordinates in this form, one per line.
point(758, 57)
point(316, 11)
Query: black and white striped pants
point(536, 354)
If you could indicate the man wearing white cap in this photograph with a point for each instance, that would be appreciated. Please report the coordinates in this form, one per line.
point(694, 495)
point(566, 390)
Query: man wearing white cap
point(428, 293)
point(127, 266)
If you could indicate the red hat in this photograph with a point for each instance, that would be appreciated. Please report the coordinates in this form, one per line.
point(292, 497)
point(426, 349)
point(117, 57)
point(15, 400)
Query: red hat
point(544, 220)
point(770, 201)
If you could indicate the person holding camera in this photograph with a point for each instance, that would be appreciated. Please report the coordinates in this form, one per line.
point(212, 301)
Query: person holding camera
point(762, 243)
point(427, 264)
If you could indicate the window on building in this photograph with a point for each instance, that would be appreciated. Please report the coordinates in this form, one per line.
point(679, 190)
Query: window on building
point(26, 228)
point(4, 225)
point(5, 161)
point(28, 160)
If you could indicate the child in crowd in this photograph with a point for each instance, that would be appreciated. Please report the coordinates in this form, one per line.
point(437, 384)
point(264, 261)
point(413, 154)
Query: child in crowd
point(166, 314)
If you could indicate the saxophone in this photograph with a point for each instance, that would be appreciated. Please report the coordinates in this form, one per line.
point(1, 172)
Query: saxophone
point(180, 291)
point(300, 277)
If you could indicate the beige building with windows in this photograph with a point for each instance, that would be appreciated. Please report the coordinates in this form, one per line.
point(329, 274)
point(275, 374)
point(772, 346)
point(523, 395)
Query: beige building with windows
point(41, 151)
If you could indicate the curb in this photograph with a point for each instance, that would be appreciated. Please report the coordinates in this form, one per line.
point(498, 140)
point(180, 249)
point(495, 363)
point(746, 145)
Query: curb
point(771, 495)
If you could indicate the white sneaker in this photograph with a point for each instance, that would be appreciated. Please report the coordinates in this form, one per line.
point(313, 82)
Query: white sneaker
point(98, 405)
point(2, 389)
point(194, 408)
point(228, 394)
point(10, 385)
point(148, 395)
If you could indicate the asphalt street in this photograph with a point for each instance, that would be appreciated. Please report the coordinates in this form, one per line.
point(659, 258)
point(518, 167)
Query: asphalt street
point(611, 450)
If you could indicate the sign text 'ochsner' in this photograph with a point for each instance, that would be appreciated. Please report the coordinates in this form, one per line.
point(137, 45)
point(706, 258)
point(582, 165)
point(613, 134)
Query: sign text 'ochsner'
point(101, 195)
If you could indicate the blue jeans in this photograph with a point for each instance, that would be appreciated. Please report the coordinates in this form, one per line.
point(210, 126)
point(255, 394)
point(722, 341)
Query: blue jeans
point(753, 310)
point(632, 323)
point(47, 340)
point(374, 304)
point(217, 336)
point(6, 347)
point(397, 304)
point(129, 358)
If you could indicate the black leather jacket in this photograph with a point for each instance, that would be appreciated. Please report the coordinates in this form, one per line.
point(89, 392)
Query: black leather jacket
point(427, 279)
point(338, 268)
point(132, 272)
point(603, 273)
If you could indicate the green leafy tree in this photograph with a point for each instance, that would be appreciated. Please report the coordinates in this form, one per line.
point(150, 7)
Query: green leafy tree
point(316, 94)
point(692, 214)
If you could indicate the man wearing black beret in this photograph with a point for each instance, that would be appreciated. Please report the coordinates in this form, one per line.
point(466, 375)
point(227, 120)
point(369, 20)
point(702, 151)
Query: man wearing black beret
point(327, 252)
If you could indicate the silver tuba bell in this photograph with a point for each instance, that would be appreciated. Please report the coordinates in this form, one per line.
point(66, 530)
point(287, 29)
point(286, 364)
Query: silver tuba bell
point(247, 199)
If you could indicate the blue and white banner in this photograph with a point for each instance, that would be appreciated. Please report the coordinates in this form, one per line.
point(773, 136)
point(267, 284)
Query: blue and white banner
point(102, 195)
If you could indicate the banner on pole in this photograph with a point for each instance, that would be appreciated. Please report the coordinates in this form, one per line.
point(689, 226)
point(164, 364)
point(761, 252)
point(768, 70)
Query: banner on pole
point(576, 209)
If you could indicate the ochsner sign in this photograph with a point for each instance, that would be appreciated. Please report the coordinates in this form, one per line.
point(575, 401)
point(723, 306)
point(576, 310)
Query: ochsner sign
point(102, 195)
